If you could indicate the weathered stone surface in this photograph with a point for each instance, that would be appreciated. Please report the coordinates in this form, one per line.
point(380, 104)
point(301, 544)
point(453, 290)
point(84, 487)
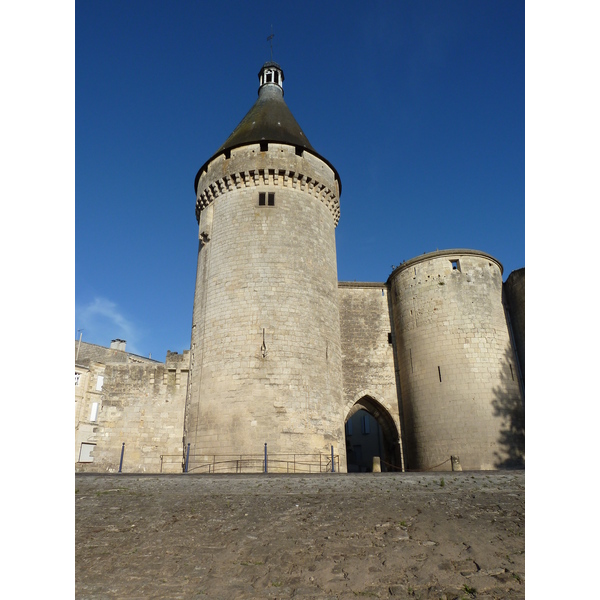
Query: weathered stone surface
point(460, 389)
point(369, 376)
point(140, 402)
point(278, 536)
point(266, 358)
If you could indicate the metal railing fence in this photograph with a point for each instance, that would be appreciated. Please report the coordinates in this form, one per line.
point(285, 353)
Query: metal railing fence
point(258, 463)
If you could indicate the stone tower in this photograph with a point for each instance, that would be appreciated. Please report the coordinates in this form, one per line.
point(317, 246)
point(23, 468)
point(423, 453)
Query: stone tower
point(266, 358)
point(458, 374)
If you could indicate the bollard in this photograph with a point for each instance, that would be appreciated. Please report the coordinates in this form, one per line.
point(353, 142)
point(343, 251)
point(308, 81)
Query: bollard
point(122, 452)
point(332, 465)
point(266, 470)
point(376, 464)
point(187, 458)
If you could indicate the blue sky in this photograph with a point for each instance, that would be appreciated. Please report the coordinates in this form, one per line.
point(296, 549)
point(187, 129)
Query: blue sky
point(420, 106)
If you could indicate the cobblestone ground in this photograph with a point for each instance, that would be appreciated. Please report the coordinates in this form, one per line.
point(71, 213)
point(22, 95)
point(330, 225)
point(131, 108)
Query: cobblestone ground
point(425, 535)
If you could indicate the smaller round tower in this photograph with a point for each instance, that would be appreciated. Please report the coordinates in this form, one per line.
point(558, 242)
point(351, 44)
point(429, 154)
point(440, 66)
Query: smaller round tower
point(458, 376)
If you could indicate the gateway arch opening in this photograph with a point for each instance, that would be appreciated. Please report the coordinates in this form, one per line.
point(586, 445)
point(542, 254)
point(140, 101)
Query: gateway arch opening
point(370, 432)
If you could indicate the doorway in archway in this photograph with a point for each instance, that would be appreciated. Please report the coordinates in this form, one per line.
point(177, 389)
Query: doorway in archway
point(370, 432)
point(363, 442)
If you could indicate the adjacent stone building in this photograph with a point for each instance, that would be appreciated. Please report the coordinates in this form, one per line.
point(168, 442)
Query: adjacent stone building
point(286, 359)
point(130, 405)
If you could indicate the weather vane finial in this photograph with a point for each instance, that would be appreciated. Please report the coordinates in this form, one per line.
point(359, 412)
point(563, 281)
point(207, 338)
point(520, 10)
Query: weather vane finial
point(270, 40)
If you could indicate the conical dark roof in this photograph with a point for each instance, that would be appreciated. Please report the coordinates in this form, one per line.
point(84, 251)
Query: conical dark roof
point(269, 120)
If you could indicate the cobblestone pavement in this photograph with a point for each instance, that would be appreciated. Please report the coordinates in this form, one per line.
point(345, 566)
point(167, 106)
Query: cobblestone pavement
point(227, 537)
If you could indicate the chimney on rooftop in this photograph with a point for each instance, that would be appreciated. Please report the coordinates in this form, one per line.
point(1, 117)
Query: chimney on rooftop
point(118, 344)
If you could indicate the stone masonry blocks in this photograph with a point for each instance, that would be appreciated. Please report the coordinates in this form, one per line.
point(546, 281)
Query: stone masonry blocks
point(266, 356)
point(459, 388)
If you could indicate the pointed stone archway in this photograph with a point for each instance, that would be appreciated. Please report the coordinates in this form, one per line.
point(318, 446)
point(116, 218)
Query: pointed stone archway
point(381, 440)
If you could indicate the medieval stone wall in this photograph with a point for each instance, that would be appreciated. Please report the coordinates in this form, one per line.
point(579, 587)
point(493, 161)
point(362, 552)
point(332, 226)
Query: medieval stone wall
point(86, 353)
point(368, 356)
point(266, 358)
point(140, 404)
point(460, 391)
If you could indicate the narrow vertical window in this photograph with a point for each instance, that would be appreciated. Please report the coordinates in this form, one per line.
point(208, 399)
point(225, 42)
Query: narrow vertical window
point(264, 146)
point(99, 383)
point(455, 265)
point(440, 374)
point(261, 198)
point(365, 425)
point(94, 412)
point(271, 199)
point(77, 378)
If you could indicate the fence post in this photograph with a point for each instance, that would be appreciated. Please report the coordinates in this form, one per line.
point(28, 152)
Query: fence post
point(122, 452)
point(332, 464)
point(187, 459)
point(266, 470)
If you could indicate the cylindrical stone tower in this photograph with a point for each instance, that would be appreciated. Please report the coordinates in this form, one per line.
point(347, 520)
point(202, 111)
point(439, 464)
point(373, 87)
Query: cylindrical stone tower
point(458, 377)
point(266, 358)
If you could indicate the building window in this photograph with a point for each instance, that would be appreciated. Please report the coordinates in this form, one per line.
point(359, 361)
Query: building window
point(264, 146)
point(365, 426)
point(455, 265)
point(85, 454)
point(77, 378)
point(94, 412)
point(99, 383)
point(266, 199)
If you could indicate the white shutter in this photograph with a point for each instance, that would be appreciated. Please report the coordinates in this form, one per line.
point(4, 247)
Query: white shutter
point(85, 454)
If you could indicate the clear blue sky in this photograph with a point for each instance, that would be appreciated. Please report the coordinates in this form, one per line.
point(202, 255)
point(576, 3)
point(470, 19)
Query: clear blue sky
point(419, 105)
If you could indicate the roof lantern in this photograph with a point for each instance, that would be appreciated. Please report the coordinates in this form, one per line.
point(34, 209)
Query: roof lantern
point(270, 74)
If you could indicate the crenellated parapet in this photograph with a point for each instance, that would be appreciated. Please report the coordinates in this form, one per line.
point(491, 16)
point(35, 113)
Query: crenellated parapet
point(275, 166)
